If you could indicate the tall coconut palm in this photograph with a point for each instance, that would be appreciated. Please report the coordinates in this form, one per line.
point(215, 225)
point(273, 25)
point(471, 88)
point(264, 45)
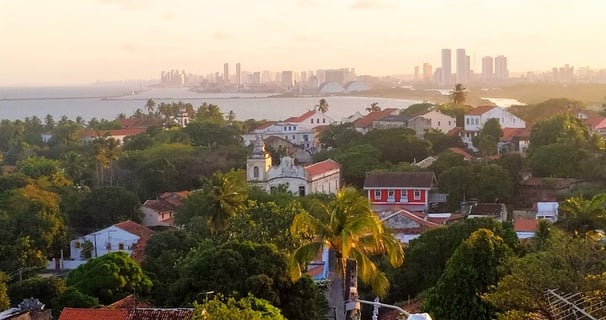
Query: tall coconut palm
point(581, 216)
point(225, 196)
point(322, 106)
point(373, 107)
point(458, 95)
point(350, 230)
point(150, 105)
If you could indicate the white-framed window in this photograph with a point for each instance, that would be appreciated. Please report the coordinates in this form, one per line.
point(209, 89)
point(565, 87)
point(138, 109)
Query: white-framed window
point(390, 194)
point(377, 194)
point(404, 195)
point(438, 123)
point(477, 122)
point(256, 172)
point(467, 121)
point(417, 194)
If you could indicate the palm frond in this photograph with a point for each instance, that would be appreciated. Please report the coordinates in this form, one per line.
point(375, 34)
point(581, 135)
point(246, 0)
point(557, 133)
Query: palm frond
point(301, 256)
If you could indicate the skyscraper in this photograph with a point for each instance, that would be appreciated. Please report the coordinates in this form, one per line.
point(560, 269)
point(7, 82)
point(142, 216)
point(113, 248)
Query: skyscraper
point(500, 68)
point(487, 68)
point(427, 72)
point(446, 67)
point(462, 66)
point(416, 73)
point(238, 74)
point(226, 72)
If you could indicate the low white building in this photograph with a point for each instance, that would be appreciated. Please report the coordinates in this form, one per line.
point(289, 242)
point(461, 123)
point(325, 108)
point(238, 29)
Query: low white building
point(432, 119)
point(547, 211)
point(127, 236)
point(476, 118)
point(320, 177)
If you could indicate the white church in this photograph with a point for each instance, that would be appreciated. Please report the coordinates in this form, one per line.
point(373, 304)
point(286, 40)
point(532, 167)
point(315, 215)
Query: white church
point(320, 177)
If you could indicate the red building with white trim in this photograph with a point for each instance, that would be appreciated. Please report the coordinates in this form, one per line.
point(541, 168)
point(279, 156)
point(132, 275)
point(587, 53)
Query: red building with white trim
point(409, 190)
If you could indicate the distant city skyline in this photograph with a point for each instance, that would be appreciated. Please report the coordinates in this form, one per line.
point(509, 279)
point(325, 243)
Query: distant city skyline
point(78, 42)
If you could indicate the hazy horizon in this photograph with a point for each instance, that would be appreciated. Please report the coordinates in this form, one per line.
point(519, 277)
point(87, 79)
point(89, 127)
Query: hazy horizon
point(67, 42)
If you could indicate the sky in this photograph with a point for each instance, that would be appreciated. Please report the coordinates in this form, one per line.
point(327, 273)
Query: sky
point(64, 42)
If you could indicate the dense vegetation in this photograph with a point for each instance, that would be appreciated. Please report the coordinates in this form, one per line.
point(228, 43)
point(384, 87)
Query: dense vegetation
point(237, 241)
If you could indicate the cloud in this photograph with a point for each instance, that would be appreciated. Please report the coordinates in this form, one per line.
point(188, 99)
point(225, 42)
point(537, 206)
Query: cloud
point(222, 36)
point(372, 5)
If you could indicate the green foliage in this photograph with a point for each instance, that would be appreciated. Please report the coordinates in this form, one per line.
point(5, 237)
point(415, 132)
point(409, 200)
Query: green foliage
point(356, 161)
point(398, 144)
point(157, 176)
point(73, 298)
point(211, 134)
point(247, 308)
point(447, 160)
point(441, 141)
point(417, 108)
point(161, 252)
point(105, 206)
point(222, 197)
point(339, 135)
point(560, 160)
point(562, 128)
point(456, 110)
point(36, 167)
point(537, 112)
point(239, 269)
point(426, 256)
point(487, 182)
point(4, 299)
point(579, 216)
point(44, 289)
point(564, 263)
point(458, 95)
point(110, 277)
point(469, 273)
point(351, 230)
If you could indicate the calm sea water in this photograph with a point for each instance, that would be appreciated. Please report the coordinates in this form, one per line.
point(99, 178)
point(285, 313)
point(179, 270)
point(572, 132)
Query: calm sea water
point(104, 102)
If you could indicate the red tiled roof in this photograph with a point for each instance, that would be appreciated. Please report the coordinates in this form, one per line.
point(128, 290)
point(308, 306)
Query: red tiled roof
point(321, 167)
point(525, 224)
point(460, 151)
point(510, 133)
point(159, 314)
point(93, 314)
point(399, 179)
point(168, 201)
point(454, 131)
point(302, 117)
point(111, 133)
point(265, 125)
point(549, 183)
point(129, 302)
point(139, 123)
point(487, 209)
point(144, 234)
point(480, 110)
point(367, 120)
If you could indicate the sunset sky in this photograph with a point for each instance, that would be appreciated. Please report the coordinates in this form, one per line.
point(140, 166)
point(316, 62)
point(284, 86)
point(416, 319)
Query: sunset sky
point(79, 41)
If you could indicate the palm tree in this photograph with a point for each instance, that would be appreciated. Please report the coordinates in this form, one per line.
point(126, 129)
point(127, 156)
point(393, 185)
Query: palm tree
point(350, 230)
point(373, 107)
point(150, 105)
point(322, 106)
point(231, 116)
point(458, 95)
point(74, 165)
point(225, 196)
point(581, 216)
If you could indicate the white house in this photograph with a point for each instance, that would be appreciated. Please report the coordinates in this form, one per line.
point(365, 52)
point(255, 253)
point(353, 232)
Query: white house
point(127, 236)
point(476, 118)
point(432, 119)
point(320, 177)
point(548, 211)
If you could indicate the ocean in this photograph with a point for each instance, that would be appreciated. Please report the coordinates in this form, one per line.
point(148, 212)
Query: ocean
point(107, 102)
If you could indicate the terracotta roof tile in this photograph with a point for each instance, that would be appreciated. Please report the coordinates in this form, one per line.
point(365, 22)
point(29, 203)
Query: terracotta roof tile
point(111, 133)
point(480, 110)
point(399, 179)
point(302, 117)
point(321, 167)
point(510, 133)
point(129, 302)
point(367, 120)
point(93, 314)
point(487, 209)
point(159, 314)
point(140, 123)
point(525, 224)
point(460, 151)
point(144, 234)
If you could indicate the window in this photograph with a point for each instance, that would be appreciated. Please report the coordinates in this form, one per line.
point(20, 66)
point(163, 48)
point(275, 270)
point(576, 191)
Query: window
point(377, 194)
point(318, 120)
point(417, 194)
point(438, 123)
point(301, 191)
point(467, 121)
point(390, 195)
point(256, 172)
point(77, 244)
point(312, 120)
point(305, 137)
point(449, 122)
point(293, 137)
point(120, 246)
point(404, 196)
point(285, 129)
point(477, 122)
point(324, 120)
point(108, 246)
